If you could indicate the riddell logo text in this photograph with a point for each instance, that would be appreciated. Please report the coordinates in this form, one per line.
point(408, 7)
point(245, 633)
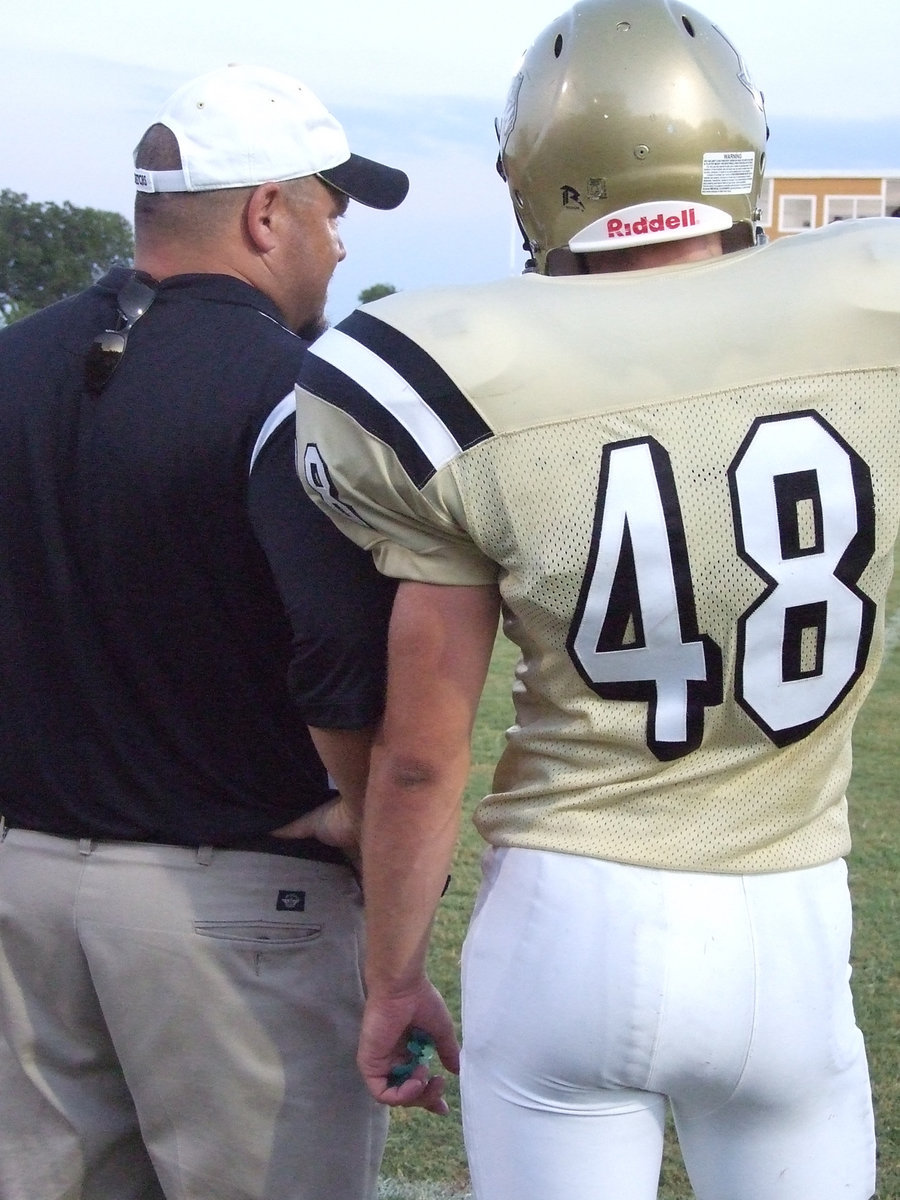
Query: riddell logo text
point(616, 227)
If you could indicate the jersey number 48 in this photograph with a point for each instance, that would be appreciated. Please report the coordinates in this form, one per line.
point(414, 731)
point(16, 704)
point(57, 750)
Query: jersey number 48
point(803, 515)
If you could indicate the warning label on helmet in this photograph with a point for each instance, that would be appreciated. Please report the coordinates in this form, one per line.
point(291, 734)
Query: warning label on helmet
point(728, 174)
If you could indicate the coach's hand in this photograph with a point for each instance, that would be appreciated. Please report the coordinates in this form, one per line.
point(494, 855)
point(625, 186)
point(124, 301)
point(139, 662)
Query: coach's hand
point(334, 823)
point(386, 1030)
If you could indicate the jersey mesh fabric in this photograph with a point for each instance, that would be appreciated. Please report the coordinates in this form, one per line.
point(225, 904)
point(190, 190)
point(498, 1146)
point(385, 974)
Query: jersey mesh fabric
point(667, 472)
point(577, 775)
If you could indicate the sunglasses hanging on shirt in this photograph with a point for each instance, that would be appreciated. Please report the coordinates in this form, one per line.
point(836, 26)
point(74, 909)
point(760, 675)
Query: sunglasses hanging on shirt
point(107, 349)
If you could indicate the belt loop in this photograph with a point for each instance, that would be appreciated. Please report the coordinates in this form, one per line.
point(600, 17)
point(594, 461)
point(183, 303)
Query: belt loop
point(86, 846)
point(204, 855)
point(2, 828)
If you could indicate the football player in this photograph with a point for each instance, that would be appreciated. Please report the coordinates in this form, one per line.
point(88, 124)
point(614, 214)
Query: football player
point(672, 455)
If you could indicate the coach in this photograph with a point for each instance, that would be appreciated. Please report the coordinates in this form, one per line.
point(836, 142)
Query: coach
point(180, 990)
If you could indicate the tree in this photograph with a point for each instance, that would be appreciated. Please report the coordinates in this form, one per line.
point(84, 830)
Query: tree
point(375, 292)
point(49, 251)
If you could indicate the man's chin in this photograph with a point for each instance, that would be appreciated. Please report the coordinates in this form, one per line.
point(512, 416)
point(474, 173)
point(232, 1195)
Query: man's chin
point(314, 328)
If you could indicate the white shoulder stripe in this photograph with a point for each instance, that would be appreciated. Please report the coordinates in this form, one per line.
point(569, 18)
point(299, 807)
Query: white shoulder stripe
point(283, 409)
point(392, 392)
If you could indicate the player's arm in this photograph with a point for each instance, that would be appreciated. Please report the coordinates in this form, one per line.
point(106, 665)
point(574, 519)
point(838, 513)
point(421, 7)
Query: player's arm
point(439, 649)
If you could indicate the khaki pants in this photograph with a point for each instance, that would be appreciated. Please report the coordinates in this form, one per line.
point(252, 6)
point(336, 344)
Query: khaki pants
point(180, 1023)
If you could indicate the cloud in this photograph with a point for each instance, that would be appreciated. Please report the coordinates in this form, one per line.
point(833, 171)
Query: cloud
point(78, 116)
point(457, 226)
point(77, 120)
point(820, 144)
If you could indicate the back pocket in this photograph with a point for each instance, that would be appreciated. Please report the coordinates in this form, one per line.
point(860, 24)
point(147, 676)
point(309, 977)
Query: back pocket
point(259, 933)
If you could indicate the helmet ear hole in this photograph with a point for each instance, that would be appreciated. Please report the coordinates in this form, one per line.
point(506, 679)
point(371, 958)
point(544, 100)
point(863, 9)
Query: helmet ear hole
point(688, 26)
point(558, 45)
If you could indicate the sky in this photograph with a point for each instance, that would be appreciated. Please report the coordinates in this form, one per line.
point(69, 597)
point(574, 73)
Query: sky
point(416, 83)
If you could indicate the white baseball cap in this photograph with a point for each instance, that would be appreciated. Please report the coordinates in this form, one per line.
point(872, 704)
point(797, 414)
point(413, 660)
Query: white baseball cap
point(241, 126)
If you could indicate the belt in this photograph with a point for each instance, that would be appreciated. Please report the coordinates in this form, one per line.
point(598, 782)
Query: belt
point(291, 847)
point(262, 843)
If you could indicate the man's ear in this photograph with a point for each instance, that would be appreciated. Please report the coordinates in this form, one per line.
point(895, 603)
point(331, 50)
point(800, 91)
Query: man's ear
point(260, 216)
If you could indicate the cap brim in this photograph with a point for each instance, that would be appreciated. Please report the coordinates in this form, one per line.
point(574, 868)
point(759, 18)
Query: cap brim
point(371, 183)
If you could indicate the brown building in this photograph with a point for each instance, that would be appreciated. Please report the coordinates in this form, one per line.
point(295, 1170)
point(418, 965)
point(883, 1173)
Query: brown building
point(792, 201)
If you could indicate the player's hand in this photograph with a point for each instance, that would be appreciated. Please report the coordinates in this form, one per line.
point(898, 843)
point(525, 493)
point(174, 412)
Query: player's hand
point(333, 823)
point(387, 1028)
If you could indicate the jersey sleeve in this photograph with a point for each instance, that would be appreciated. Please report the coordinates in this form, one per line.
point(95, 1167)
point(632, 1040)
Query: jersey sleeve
point(338, 605)
point(379, 428)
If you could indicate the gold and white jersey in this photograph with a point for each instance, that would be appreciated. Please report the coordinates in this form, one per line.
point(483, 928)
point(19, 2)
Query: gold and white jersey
point(687, 484)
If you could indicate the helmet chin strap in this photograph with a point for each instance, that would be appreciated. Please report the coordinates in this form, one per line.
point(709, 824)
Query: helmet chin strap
point(530, 264)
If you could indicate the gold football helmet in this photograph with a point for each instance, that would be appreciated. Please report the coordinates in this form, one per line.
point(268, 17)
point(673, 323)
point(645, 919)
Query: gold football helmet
point(632, 121)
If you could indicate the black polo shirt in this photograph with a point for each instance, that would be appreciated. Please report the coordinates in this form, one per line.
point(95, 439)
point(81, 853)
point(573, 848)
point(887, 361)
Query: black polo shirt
point(169, 622)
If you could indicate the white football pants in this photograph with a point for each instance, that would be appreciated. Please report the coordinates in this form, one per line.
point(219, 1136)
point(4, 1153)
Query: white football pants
point(595, 992)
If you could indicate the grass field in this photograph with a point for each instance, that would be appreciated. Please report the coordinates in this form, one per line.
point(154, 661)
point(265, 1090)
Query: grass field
point(425, 1159)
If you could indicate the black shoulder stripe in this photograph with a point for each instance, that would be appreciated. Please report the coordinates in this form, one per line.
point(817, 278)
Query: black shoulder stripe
point(326, 381)
point(421, 371)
